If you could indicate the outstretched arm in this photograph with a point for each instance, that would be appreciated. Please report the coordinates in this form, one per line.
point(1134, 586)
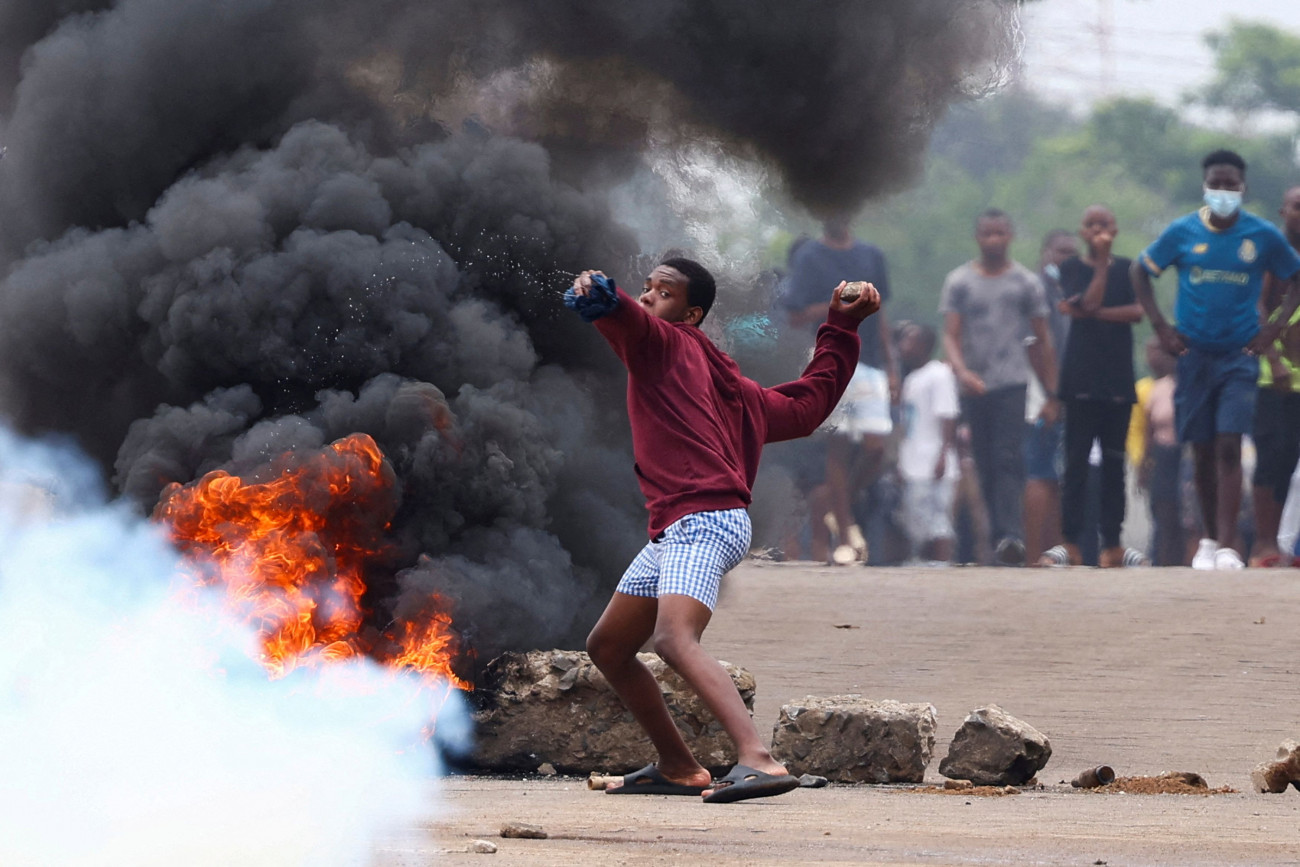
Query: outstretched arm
point(631, 331)
point(796, 409)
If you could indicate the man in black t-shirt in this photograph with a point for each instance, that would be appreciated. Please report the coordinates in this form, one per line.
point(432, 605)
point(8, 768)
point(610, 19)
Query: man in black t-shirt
point(1096, 381)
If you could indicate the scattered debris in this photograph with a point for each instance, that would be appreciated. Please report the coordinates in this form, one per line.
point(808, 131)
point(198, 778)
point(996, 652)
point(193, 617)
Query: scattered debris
point(546, 769)
point(522, 831)
point(813, 781)
point(1102, 775)
point(483, 847)
point(1172, 783)
point(775, 555)
point(958, 785)
point(600, 782)
point(846, 626)
point(967, 791)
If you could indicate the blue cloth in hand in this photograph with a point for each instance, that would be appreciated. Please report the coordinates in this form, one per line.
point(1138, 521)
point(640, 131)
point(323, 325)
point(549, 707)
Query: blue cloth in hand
point(601, 300)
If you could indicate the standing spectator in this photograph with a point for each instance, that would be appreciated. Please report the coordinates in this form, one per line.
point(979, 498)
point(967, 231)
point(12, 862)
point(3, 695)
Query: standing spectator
point(1160, 464)
point(1222, 254)
point(861, 425)
point(1097, 382)
point(1277, 410)
point(927, 455)
point(1043, 441)
point(989, 305)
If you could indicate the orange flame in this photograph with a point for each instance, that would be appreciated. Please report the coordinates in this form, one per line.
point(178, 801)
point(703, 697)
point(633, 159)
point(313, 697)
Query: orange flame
point(290, 554)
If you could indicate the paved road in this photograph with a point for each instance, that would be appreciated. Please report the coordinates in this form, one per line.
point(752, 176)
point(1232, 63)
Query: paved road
point(1147, 670)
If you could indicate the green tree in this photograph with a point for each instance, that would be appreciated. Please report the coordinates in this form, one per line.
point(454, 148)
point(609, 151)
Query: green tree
point(1257, 67)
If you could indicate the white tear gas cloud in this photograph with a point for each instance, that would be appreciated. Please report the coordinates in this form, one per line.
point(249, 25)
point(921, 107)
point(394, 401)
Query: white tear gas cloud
point(231, 228)
point(135, 725)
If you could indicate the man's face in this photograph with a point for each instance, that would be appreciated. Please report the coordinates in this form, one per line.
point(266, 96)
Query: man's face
point(1224, 177)
point(665, 296)
point(993, 235)
point(1291, 211)
point(1097, 221)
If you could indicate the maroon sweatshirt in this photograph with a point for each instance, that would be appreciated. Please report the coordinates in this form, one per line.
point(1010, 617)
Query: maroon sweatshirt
point(698, 425)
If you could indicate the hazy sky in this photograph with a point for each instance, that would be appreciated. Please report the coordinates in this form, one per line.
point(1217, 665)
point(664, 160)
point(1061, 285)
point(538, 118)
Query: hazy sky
point(1156, 46)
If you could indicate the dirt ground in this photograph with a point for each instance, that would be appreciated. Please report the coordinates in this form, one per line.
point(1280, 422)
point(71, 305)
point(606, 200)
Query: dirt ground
point(1146, 670)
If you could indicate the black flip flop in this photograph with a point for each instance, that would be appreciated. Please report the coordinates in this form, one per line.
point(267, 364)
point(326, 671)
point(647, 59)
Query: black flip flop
point(744, 782)
point(650, 781)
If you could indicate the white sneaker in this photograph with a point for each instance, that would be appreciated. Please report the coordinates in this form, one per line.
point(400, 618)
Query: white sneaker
point(1204, 556)
point(1226, 558)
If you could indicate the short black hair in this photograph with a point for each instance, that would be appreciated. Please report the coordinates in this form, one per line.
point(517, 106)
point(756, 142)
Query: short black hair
point(700, 286)
point(1223, 158)
point(994, 214)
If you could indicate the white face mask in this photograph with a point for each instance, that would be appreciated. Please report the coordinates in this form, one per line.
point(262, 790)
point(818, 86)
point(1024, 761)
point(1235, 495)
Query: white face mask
point(1223, 203)
point(1053, 270)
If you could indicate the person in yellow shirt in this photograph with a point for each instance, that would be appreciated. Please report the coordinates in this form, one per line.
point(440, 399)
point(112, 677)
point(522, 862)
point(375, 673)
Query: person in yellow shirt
point(1277, 411)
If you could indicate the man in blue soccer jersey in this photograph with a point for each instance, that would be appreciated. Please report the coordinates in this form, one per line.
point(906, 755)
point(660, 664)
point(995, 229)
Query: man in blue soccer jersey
point(1221, 254)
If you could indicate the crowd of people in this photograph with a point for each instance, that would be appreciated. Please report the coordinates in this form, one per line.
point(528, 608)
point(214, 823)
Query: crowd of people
point(1018, 432)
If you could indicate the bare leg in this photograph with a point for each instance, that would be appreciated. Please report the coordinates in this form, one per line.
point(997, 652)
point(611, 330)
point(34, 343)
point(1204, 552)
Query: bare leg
point(1268, 518)
point(839, 452)
point(968, 493)
point(626, 625)
point(1207, 489)
point(871, 458)
point(818, 506)
point(677, 632)
point(940, 550)
point(1227, 450)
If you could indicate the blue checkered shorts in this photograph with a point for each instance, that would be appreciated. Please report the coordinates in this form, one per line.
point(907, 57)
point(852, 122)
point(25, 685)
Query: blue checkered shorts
point(691, 557)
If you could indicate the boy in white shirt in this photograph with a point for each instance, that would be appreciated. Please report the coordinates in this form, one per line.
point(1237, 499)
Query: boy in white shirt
point(927, 457)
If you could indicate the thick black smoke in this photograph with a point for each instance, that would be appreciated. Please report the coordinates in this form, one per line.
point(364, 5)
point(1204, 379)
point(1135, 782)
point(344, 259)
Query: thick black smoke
point(231, 229)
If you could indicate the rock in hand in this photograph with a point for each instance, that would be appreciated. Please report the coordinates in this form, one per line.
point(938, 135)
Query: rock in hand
point(852, 292)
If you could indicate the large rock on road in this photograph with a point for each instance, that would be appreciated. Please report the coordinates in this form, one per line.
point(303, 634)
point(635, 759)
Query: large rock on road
point(556, 707)
point(851, 739)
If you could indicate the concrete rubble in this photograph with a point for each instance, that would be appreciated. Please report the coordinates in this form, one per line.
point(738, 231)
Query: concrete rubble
point(851, 739)
point(993, 748)
point(1275, 776)
point(554, 707)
